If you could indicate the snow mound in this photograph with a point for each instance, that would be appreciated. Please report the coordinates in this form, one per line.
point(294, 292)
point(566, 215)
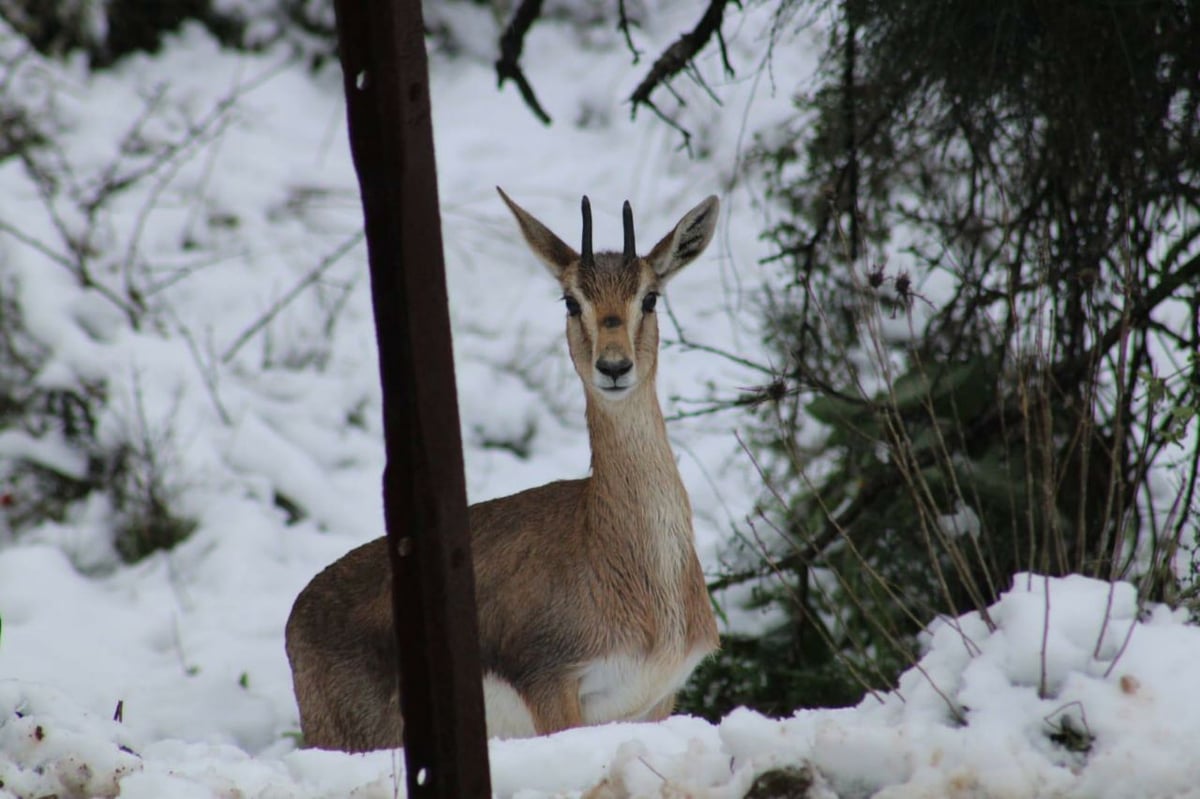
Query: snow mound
point(1073, 692)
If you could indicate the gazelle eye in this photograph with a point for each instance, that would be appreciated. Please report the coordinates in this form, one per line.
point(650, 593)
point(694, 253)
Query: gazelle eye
point(573, 308)
point(649, 301)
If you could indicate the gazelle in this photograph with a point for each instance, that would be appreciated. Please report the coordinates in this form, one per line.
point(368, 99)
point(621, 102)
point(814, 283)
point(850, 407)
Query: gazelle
point(592, 605)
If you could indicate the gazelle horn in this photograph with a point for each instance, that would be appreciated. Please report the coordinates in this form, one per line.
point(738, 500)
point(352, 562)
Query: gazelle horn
point(630, 248)
point(586, 257)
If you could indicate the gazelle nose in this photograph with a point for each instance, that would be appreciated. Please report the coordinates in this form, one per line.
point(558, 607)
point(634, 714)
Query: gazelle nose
point(614, 369)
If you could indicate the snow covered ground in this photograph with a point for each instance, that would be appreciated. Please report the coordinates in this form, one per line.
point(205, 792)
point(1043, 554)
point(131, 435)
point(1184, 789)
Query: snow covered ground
point(271, 441)
point(1120, 717)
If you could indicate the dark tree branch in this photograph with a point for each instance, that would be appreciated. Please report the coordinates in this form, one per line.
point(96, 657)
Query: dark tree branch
point(1139, 315)
point(683, 132)
point(676, 58)
point(508, 66)
point(729, 73)
point(623, 26)
point(851, 122)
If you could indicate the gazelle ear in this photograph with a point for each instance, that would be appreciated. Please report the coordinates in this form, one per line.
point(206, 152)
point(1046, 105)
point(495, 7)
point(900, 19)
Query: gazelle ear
point(550, 249)
point(685, 243)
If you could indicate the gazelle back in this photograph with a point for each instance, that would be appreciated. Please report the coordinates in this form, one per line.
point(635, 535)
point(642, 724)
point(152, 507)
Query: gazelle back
point(592, 605)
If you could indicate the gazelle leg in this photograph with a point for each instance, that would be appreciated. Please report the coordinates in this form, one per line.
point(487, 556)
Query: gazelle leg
point(555, 706)
point(508, 715)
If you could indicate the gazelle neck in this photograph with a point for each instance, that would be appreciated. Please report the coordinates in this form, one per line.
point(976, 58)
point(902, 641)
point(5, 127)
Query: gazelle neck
point(633, 468)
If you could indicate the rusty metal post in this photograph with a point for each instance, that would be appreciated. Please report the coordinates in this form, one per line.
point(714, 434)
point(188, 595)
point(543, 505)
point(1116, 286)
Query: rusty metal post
point(386, 76)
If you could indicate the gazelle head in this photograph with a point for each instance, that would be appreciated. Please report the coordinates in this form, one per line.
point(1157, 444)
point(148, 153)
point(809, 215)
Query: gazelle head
point(612, 330)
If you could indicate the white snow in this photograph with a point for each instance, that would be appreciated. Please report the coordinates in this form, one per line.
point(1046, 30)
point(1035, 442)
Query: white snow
point(189, 643)
point(969, 721)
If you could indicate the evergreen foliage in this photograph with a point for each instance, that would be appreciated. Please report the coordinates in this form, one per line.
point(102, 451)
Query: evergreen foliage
point(1013, 395)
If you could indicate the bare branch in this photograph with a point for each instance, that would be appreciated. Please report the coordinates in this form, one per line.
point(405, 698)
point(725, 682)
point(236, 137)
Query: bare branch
point(508, 66)
point(623, 26)
point(676, 58)
point(1185, 275)
point(682, 340)
point(34, 243)
point(313, 276)
point(82, 275)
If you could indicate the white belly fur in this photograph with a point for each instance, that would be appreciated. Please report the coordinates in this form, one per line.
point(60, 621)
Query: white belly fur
point(615, 688)
point(628, 687)
point(506, 713)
